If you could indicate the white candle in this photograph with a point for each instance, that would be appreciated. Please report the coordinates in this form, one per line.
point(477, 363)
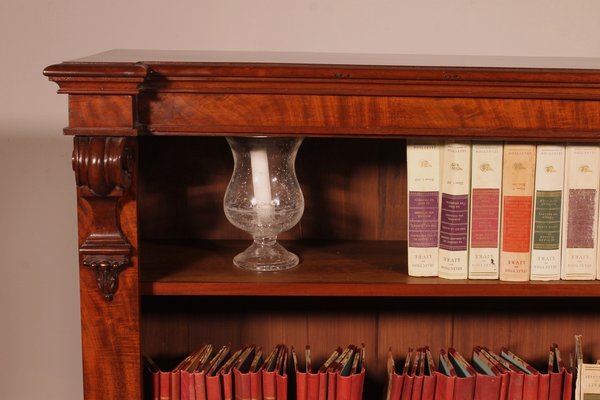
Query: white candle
point(261, 181)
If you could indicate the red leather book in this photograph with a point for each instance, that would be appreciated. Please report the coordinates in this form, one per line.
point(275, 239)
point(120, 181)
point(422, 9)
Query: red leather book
point(444, 386)
point(487, 387)
point(268, 372)
point(188, 387)
point(395, 389)
point(227, 385)
point(213, 387)
point(358, 382)
point(312, 385)
point(331, 382)
point(417, 389)
point(543, 386)
point(531, 377)
point(219, 366)
point(530, 387)
point(429, 383)
point(324, 373)
point(429, 377)
point(567, 386)
point(395, 379)
point(417, 370)
point(165, 385)
point(226, 373)
point(349, 373)
point(515, 386)
point(464, 388)
point(241, 373)
point(268, 385)
point(555, 387)
point(256, 385)
point(200, 385)
point(343, 387)
point(301, 379)
point(281, 379)
point(407, 387)
point(151, 378)
point(409, 379)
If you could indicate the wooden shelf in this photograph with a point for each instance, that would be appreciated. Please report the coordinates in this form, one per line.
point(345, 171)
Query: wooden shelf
point(346, 268)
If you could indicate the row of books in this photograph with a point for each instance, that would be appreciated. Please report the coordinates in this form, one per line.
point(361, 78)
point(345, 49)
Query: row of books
point(247, 375)
point(490, 375)
point(512, 212)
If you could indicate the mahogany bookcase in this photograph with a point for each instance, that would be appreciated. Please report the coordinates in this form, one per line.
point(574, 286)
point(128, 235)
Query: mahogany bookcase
point(151, 167)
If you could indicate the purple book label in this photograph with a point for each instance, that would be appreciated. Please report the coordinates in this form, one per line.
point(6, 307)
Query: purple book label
point(454, 225)
point(423, 211)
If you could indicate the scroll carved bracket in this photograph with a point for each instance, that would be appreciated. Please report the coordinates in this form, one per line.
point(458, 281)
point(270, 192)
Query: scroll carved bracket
point(103, 168)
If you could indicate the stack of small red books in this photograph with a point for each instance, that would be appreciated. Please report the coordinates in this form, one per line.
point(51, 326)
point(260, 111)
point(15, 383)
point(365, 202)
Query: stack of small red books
point(341, 377)
point(206, 375)
point(497, 376)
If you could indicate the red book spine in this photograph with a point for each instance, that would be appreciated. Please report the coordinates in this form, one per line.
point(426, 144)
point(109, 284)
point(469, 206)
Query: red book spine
point(556, 385)
point(417, 389)
point(515, 386)
point(331, 382)
point(323, 385)
point(228, 386)
point(301, 386)
point(200, 385)
point(256, 386)
point(464, 388)
point(282, 386)
point(428, 387)
point(568, 386)
point(407, 387)
point(213, 387)
point(396, 386)
point(444, 386)
point(358, 381)
point(343, 388)
point(188, 389)
point(530, 387)
point(504, 386)
point(312, 386)
point(543, 386)
point(165, 385)
point(175, 385)
point(487, 387)
point(269, 385)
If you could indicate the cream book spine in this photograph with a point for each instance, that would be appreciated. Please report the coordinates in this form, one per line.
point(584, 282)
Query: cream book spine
point(580, 212)
point(546, 240)
point(454, 210)
point(423, 190)
point(518, 175)
point(486, 192)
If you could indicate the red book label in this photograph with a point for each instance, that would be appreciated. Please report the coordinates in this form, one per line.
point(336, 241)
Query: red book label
point(516, 224)
point(485, 218)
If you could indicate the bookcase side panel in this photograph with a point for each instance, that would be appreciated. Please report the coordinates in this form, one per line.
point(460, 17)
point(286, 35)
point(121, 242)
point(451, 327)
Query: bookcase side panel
point(109, 279)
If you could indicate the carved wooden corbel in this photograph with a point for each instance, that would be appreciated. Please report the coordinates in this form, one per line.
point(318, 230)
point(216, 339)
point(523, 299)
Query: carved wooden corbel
point(103, 168)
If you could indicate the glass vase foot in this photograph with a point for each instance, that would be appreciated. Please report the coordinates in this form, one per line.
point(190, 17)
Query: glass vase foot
point(262, 257)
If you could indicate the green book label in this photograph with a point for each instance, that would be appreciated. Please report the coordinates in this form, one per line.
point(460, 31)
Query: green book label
point(546, 232)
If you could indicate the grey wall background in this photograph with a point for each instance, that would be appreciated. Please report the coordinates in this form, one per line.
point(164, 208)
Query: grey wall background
point(39, 300)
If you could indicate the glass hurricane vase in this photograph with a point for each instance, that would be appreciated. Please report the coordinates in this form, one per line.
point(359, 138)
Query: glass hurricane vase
point(264, 199)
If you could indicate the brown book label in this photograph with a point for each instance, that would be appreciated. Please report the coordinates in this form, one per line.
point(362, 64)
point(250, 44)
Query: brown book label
point(582, 213)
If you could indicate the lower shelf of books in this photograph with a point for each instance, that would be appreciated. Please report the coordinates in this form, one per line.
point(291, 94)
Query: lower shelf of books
point(281, 373)
point(173, 327)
